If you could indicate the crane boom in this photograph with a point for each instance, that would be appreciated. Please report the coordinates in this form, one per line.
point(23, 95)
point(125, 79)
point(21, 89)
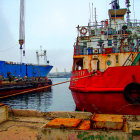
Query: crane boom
point(22, 29)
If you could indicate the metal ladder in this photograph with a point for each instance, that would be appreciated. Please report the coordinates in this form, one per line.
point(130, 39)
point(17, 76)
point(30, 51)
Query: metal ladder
point(132, 59)
point(136, 59)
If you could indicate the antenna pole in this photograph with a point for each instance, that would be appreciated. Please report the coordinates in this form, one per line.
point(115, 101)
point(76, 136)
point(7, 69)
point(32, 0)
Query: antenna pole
point(95, 16)
point(128, 10)
point(95, 21)
point(92, 11)
point(89, 14)
point(134, 10)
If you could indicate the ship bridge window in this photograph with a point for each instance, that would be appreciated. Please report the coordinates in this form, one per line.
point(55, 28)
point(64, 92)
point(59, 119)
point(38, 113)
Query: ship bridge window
point(78, 64)
point(139, 42)
point(109, 42)
point(93, 32)
point(84, 44)
point(110, 31)
point(81, 49)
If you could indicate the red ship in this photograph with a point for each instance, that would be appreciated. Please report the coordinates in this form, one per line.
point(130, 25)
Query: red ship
point(106, 64)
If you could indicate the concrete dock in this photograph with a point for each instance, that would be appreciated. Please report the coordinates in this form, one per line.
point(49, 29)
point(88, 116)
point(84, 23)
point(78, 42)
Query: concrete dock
point(34, 125)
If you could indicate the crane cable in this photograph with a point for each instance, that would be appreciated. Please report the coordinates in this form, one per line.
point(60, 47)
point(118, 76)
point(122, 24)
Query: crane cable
point(44, 87)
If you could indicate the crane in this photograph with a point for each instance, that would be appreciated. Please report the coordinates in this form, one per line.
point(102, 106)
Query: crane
point(22, 30)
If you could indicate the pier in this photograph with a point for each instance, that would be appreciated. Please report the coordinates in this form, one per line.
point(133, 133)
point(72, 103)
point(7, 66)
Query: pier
point(35, 125)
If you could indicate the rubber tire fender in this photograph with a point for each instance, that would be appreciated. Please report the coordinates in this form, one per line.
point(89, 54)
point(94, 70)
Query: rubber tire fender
point(128, 92)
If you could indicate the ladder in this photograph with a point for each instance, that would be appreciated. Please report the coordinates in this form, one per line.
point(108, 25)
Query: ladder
point(132, 59)
point(136, 59)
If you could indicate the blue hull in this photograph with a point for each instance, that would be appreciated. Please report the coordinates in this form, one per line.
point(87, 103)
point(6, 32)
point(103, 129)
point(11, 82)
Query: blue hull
point(22, 70)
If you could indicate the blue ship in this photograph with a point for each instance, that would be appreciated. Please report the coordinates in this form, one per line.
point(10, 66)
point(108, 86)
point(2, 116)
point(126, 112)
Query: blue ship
point(23, 69)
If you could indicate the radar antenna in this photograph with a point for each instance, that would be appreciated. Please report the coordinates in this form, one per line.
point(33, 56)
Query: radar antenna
point(115, 4)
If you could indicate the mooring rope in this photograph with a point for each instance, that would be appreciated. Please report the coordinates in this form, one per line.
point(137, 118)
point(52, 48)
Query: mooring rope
point(44, 87)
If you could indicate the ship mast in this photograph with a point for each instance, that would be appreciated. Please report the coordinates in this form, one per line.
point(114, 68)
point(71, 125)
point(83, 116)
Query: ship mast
point(128, 10)
point(40, 54)
point(22, 30)
point(115, 4)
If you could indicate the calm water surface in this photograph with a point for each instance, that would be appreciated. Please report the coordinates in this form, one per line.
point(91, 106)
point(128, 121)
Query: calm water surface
point(58, 99)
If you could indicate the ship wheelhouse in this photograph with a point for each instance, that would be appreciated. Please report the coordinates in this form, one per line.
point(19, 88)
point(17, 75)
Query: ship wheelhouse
point(110, 43)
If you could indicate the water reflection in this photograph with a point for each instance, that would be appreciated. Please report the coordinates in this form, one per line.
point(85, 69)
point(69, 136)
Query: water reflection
point(36, 101)
point(59, 98)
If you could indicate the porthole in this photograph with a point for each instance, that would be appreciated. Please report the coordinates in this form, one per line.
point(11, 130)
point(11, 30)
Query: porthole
point(108, 62)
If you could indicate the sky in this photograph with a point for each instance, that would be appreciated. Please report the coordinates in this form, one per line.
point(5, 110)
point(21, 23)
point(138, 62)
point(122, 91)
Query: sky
point(50, 24)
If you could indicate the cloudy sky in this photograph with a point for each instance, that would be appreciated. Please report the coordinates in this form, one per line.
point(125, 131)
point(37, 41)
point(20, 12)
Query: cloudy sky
point(50, 24)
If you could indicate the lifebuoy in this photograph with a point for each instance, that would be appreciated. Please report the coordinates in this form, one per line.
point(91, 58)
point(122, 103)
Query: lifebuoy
point(132, 93)
point(83, 30)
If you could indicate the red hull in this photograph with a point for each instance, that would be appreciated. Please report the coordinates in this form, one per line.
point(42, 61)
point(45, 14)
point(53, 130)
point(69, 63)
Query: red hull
point(104, 103)
point(104, 92)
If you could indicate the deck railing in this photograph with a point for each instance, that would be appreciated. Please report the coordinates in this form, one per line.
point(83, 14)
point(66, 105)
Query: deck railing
point(94, 29)
point(78, 50)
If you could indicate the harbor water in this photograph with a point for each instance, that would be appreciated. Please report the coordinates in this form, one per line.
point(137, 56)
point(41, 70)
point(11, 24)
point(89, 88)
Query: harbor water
point(59, 98)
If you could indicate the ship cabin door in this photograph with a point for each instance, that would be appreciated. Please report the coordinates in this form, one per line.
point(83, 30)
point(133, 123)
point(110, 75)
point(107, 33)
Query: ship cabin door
point(77, 64)
point(94, 64)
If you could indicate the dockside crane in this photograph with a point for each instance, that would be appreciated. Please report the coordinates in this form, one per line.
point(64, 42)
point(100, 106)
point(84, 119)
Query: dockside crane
point(22, 30)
